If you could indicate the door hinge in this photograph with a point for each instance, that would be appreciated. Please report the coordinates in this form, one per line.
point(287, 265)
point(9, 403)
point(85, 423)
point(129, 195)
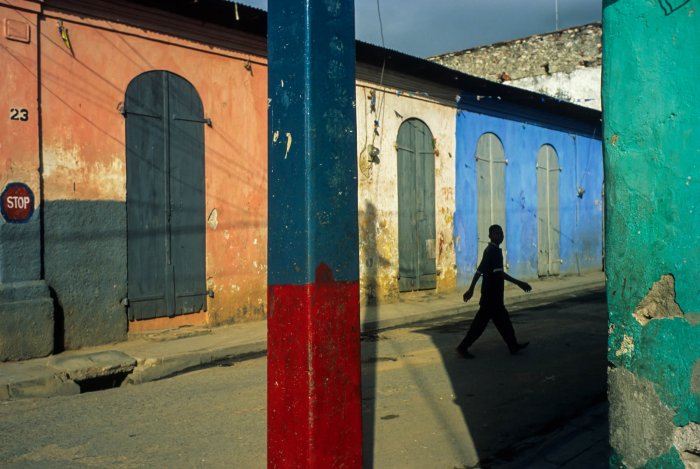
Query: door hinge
point(206, 120)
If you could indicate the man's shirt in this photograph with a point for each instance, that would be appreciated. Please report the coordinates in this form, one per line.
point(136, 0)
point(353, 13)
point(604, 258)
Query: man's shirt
point(491, 269)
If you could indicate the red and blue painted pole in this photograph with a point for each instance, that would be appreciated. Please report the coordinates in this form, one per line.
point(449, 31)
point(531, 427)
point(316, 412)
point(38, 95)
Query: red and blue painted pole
point(314, 391)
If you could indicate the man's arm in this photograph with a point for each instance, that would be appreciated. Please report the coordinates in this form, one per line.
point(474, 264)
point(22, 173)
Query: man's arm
point(523, 285)
point(470, 292)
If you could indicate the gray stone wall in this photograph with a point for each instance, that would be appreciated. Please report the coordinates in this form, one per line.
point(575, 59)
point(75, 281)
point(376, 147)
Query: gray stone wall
point(543, 54)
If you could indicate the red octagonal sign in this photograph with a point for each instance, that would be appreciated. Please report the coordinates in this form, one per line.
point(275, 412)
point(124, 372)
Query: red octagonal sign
point(17, 202)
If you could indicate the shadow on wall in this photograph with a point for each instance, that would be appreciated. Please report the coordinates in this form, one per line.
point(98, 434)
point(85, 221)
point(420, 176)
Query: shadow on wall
point(505, 399)
point(85, 263)
point(85, 268)
point(372, 261)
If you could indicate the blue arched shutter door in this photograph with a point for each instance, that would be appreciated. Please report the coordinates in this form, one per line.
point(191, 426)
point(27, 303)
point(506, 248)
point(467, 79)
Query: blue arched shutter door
point(490, 190)
point(548, 229)
point(165, 197)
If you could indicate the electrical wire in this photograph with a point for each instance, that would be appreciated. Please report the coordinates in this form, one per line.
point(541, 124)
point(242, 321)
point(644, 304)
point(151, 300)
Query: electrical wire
point(379, 121)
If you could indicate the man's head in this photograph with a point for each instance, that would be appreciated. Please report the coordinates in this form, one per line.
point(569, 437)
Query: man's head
point(496, 234)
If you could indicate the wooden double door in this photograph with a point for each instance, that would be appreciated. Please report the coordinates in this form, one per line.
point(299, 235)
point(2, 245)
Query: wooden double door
point(165, 201)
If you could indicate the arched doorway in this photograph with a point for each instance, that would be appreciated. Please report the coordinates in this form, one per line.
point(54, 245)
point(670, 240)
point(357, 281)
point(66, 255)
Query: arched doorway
point(490, 189)
point(164, 197)
point(416, 194)
point(548, 230)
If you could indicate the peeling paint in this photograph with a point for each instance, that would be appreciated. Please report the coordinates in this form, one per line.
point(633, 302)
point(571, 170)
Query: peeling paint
point(660, 302)
point(627, 346)
point(686, 439)
point(213, 219)
point(289, 144)
point(644, 428)
point(70, 175)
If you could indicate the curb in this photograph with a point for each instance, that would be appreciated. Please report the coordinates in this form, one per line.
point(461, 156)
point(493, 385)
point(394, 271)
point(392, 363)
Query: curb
point(152, 369)
point(459, 309)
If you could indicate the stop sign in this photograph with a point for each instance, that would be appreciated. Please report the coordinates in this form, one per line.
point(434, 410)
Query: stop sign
point(17, 202)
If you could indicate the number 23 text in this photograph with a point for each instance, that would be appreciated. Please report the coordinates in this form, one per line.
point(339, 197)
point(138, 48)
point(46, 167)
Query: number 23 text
point(19, 114)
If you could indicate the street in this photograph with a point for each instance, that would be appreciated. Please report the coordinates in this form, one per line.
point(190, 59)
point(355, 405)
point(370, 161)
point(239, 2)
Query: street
point(423, 406)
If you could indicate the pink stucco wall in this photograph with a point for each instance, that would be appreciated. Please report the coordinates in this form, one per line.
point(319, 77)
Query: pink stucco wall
point(84, 133)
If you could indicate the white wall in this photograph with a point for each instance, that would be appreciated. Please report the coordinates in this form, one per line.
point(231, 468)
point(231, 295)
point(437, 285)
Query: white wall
point(582, 86)
point(378, 190)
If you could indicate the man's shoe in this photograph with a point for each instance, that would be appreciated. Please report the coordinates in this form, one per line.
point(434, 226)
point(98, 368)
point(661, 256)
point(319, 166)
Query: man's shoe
point(464, 353)
point(518, 347)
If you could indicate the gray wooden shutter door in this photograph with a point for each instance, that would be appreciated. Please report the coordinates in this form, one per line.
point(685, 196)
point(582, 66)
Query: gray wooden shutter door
point(425, 205)
point(187, 201)
point(548, 229)
point(146, 204)
point(498, 191)
point(165, 197)
point(490, 186)
point(406, 174)
point(416, 187)
point(554, 227)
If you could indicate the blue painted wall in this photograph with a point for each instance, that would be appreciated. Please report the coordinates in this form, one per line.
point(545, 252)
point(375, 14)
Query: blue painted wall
point(580, 159)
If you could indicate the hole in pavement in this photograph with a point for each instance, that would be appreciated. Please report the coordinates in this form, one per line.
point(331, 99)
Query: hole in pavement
point(102, 382)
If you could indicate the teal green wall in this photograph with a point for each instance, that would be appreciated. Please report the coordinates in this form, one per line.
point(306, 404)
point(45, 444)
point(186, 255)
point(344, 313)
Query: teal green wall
point(651, 114)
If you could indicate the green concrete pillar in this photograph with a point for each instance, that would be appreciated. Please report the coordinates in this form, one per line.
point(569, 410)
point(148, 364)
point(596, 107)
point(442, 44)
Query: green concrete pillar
point(651, 110)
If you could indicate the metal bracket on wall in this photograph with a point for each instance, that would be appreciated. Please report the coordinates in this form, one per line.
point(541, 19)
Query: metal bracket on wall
point(478, 158)
point(125, 303)
point(125, 113)
point(122, 110)
point(550, 170)
point(206, 120)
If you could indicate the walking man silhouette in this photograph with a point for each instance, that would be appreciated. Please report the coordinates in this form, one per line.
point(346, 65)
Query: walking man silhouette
point(491, 305)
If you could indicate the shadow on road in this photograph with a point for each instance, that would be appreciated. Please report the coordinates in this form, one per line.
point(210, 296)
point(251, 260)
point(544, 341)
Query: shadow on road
point(504, 399)
point(371, 261)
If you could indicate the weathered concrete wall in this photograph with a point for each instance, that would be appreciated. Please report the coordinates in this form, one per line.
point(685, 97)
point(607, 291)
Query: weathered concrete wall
point(581, 218)
point(19, 139)
point(378, 190)
point(651, 97)
point(26, 308)
point(85, 169)
point(563, 64)
point(86, 236)
point(581, 86)
point(542, 54)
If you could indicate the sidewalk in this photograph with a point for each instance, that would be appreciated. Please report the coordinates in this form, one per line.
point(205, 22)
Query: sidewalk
point(158, 355)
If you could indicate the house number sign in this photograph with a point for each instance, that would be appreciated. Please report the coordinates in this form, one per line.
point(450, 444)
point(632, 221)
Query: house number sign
point(19, 114)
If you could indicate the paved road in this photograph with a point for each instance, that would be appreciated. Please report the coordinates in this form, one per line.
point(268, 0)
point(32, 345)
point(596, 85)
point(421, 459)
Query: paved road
point(423, 406)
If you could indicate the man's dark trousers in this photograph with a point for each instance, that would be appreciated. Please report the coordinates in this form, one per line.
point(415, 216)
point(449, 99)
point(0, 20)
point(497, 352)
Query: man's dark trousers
point(499, 315)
